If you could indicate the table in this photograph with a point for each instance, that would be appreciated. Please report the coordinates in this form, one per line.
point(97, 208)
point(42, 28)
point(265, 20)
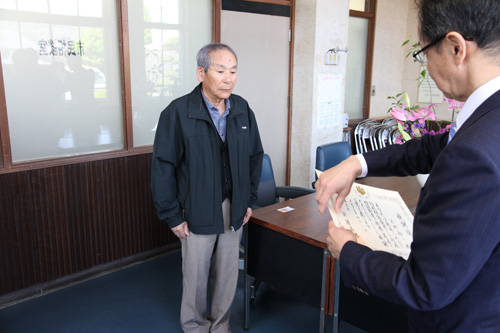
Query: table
point(288, 251)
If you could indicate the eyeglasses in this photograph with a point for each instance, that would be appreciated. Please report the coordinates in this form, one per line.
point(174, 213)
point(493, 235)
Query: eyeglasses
point(419, 56)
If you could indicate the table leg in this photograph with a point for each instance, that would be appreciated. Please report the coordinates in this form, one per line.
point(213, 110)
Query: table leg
point(322, 317)
point(246, 294)
point(336, 298)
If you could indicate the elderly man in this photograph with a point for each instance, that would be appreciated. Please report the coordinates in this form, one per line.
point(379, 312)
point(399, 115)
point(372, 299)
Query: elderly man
point(207, 162)
point(450, 282)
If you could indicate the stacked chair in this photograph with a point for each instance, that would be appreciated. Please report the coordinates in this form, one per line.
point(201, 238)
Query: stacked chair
point(371, 135)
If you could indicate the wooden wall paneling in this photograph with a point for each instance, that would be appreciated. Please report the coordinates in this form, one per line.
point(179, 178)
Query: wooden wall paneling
point(62, 221)
point(137, 181)
point(10, 277)
point(75, 217)
point(49, 218)
point(122, 213)
point(24, 237)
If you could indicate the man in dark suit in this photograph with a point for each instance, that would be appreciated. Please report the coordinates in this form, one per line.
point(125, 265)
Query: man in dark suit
point(451, 280)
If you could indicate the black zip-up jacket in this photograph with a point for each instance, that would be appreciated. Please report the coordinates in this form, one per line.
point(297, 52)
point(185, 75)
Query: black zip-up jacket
point(186, 170)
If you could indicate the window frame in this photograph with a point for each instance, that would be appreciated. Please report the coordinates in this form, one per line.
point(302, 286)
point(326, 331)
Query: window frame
point(6, 164)
point(370, 45)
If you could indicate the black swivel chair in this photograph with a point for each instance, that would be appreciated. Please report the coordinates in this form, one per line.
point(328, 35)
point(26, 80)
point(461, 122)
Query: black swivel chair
point(269, 193)
point(331, 154)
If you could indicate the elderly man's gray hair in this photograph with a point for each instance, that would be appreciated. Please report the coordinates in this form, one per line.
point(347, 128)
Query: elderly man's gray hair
point(204, 56)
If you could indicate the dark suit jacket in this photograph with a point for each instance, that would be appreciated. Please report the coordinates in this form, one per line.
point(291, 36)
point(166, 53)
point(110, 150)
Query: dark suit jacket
point(451, 280)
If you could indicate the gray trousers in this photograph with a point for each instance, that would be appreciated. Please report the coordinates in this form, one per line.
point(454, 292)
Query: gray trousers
point(210, 260)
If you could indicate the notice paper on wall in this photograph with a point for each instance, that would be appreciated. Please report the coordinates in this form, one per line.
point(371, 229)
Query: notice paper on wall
point(428, 92)
point(329, 102)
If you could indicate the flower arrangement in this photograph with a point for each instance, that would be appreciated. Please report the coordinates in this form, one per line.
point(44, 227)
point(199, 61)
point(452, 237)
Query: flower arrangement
point(414, 121)
point(455, 107)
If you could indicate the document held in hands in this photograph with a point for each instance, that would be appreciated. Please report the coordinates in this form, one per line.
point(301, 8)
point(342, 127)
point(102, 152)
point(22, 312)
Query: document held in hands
point(379, 217)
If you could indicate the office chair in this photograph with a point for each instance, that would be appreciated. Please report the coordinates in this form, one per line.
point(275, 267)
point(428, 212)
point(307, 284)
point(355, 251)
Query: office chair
point(269, 193)
point(331, 154)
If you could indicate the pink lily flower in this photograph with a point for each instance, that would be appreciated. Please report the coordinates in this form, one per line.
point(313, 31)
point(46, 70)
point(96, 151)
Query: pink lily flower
point(399, 140)
point(424, 113)
point(454, 104)
point(399, 113)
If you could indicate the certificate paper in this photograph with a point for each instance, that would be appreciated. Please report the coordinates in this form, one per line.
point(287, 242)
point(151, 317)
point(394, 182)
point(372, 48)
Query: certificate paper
point(380, 217)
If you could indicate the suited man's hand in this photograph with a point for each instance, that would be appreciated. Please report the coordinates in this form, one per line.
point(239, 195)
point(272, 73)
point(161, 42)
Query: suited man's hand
point(337, 237)
point(182, 230)
point(337, 180)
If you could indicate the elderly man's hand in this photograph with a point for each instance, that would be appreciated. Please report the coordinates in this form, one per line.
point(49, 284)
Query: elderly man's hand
point(337, 237)
point(337, 180)
point(247, 216)
point(182, 230)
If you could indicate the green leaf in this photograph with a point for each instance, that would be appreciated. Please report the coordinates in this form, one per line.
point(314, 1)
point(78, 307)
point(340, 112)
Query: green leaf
point(406, 99)
point(406, 136)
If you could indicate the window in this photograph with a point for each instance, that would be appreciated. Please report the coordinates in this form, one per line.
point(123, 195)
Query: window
point(71, 82)
point(359, 61)
point(360, 5)
point(61, 68)
point(165, 36)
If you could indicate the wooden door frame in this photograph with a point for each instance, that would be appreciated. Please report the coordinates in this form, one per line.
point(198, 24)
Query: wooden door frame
point(371, 15)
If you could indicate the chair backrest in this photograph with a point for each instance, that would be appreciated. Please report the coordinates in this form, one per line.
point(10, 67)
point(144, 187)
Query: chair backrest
point(331, 154)
point(267, 185)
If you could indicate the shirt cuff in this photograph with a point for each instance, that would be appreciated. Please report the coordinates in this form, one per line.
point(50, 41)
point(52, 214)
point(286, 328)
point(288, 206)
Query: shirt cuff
point(364, 166)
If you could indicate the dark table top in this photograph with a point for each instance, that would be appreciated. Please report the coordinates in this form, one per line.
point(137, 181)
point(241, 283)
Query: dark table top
point(305, 222)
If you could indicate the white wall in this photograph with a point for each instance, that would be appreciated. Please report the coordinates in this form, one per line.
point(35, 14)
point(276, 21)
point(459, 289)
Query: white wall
point(392, 72)
point(389, 56)
point(319, 26)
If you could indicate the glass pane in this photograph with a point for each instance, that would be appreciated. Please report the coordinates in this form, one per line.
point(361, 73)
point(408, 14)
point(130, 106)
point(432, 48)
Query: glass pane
point(356, 63)
point(92, 8)
point(170, 11)
point(8, 4)
point(62, 80)
point(359, 5)
point(161, 11)
point(63, 7)
point(165, 36)
point(32, 6)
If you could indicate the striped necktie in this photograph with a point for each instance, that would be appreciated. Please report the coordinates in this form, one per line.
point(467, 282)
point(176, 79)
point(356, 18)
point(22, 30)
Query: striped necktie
point(453, 130)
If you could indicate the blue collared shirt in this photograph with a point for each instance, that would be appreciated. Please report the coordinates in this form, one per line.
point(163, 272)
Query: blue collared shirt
point(218, 120)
